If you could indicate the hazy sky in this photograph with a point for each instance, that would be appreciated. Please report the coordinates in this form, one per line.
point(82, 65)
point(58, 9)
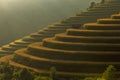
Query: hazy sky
point(21, 17)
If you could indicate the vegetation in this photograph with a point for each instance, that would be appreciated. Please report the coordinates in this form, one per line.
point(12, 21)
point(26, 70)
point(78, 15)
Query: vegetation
point(8, 72)
point(109, 74)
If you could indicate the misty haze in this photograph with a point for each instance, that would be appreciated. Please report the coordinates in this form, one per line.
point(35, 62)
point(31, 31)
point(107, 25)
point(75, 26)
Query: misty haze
point(22, 17)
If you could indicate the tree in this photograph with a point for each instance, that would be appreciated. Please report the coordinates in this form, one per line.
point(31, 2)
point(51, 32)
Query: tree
point(90, 78)
point(102, 2)
point(101, 79)
point(24, 74)
point(53, 74)
point(6, 71)
point(93, 4)
point(42, 78)
point(109, 73)
point(38, 78)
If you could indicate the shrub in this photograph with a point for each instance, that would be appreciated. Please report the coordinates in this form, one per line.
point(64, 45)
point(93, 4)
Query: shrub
point(109, 73)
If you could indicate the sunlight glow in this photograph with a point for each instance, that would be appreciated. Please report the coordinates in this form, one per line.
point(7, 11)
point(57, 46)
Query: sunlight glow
point(5, 4)
point(7, 0)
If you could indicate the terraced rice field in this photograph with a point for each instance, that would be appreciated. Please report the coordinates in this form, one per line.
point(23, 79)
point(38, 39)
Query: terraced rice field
point(90, 15)
point(85, 51)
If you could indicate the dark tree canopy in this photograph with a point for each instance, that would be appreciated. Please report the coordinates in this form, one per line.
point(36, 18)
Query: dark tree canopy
point(103, 1)
point(92, 4)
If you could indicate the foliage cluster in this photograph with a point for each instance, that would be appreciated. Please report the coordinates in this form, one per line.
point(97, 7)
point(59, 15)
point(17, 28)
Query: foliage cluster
point(8, 72)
